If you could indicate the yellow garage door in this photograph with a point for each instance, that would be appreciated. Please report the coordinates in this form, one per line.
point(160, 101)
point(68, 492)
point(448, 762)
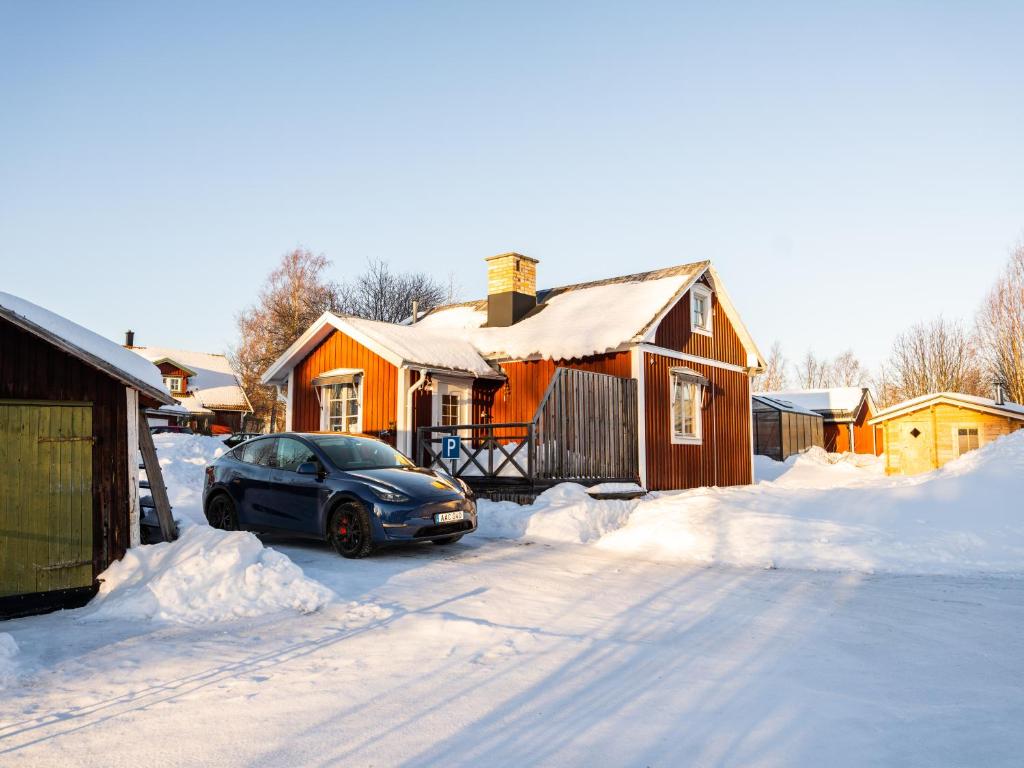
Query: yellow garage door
point(45, 496)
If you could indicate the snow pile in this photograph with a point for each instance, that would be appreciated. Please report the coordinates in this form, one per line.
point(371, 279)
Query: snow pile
point(206, 575)
point(804, 470)
point(819, 514)
point(183, 459)
point(87, 341)
point(8, 666)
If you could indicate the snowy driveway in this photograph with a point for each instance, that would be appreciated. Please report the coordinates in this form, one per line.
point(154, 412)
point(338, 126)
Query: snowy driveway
point(507, 653)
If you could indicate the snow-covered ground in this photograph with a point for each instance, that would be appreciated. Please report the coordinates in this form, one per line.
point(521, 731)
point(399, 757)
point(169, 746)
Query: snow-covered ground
point(572, 632)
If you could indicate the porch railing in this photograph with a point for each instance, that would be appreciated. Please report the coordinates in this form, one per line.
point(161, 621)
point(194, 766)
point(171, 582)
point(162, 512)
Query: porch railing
point(486, 450)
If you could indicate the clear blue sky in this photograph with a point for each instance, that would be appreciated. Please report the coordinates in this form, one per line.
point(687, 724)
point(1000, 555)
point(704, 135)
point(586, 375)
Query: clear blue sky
point(851, 168)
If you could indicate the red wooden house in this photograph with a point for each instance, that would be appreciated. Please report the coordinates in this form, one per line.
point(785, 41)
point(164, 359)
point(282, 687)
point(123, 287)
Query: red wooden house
point(642, 378)
point(845, 412)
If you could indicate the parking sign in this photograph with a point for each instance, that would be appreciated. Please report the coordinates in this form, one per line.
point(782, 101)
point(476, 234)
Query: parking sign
point(450, 445)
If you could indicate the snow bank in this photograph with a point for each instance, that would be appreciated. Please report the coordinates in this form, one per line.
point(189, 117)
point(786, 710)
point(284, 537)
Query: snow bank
point(183, 460)
point(822, 512)
point(8, 665)
point(206, 575)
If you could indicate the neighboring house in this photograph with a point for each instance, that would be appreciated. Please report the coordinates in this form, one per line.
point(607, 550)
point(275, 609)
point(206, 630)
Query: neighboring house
point(845, 411)
point(69, 467)
point(644, 378)
point(204, 383)
point(924, 433)
point(782, 428)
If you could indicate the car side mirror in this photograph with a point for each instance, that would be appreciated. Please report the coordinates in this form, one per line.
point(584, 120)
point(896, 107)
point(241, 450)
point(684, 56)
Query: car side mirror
point(308, 468)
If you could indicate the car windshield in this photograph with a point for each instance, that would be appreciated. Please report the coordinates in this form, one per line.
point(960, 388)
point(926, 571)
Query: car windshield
point(347, 452)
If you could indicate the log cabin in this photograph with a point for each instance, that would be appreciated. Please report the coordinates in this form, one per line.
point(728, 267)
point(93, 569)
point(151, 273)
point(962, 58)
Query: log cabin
point(643, 378)
point(924, 433)
point(845, 413)
point(205, 386)
point(70, 404)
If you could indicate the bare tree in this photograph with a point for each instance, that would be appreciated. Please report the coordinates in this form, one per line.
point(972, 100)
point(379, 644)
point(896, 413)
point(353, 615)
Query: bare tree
point(380, 294)
point(846, 371)
point(1000, 326)
point(813, 372)
point(774, 377)
point(938, 356)
point(293, 296)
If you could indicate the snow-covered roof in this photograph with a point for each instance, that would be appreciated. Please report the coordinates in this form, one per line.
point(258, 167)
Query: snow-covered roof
point(212, 383)
point(780, 404)
point(408, 345)
point(1013, 410)
point(88, 346)
point(835, 403)
point(569, 322)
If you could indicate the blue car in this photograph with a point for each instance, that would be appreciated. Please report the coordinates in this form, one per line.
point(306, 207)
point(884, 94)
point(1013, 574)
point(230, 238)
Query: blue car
point(354, 492)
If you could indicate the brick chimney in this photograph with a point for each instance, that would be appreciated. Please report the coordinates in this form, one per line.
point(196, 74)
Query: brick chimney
point(511, 288)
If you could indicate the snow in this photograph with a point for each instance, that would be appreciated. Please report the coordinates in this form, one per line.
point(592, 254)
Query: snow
point(572, 324)
point(587, 633)
point(820, 512)
point(835, 399)
point(85, 340)
point(207, 575)
point(183, 459)
point(8, 664)
point(784, 405)
point(213, 384)
point(421, 345)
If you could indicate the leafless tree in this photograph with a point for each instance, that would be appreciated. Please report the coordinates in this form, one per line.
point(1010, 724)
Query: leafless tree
point(774, 377)
point(294, 295)
point(380, 294)
point(813, 372)
point(937, 356)
point(847, 371)
point(1000, 326)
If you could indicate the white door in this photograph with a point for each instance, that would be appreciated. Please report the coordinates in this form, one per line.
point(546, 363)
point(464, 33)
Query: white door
point(451, 402)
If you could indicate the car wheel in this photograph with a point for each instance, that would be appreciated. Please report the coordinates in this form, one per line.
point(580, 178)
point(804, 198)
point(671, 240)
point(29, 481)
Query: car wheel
point(221, 513)
point(447, 539)
point(349, 531)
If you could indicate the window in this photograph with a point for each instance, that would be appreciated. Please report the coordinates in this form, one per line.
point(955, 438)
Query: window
point(174, 384)
point(340, 404)
point(966, 439)
point(686, 396)
point(262, 452)
point(449, 410)
point(700, 308)
point(291, 453)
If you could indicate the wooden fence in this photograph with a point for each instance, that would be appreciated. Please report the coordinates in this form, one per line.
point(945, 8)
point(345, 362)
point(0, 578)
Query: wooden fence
point(584, 429)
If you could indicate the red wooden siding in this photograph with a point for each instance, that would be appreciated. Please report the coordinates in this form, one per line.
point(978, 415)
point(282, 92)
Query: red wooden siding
point(724, 456)
point(529, 379)
point(379, 385)
point(837, 436)
point(724, 345)
point(169, 369)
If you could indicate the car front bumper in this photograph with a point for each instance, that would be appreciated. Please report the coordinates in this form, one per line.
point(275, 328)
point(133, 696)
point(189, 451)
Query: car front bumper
point(420, 523)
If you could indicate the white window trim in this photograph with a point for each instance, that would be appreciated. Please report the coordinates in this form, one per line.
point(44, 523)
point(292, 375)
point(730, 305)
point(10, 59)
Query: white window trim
point(325, 419)
point(443, 385)
point(181, 384)
point(955, 430)
point(698, 420)
point(705, 292)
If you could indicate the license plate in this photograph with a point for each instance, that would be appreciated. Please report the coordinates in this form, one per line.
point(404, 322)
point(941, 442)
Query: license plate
point(449, 517)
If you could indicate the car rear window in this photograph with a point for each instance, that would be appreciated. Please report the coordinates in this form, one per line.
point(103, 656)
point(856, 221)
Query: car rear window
point(262, 452)
point(346, 452)
point(291, 453)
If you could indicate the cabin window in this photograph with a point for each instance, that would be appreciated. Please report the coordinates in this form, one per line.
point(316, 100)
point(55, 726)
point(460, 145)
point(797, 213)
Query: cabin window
point(686, 397)
point(341, 409)
point(449, 410)
point(175, 384)
point(700, 308)
point(966, 439)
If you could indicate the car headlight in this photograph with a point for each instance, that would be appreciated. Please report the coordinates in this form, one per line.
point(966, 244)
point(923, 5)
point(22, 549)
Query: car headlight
point(388, 494)
point(463, 485)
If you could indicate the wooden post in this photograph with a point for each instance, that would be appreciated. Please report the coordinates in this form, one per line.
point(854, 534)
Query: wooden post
point(156, 480)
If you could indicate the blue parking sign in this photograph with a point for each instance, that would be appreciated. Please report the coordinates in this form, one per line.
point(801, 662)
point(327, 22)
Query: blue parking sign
point(450, 445)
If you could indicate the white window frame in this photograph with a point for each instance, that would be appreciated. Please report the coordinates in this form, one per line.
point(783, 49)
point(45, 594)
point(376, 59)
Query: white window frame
point(704, 293)
point(956, 437)
point(323, 393)
point(442, 386)
point(181, 384)
point(697, 438)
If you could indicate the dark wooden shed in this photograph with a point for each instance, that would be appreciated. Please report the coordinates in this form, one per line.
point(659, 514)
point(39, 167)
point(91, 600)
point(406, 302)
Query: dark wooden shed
point(69, 402)
point(782, 428)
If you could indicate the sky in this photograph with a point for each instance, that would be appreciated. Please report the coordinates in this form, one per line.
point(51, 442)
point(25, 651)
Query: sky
point(850, 168)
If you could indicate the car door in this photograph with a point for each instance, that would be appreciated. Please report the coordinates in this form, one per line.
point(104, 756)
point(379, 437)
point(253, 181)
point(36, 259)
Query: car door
point(260, 457)
point(294, 498)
